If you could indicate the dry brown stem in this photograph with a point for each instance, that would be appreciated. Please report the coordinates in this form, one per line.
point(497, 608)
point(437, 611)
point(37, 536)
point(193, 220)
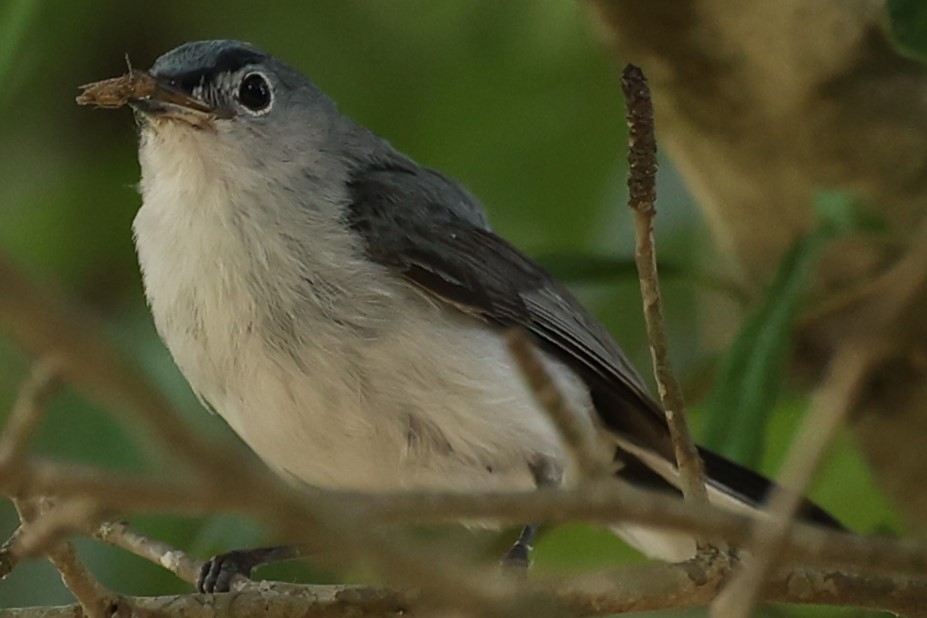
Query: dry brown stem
point(642, 195)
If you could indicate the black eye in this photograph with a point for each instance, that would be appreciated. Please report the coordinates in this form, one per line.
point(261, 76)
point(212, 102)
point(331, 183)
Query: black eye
point(254, 92)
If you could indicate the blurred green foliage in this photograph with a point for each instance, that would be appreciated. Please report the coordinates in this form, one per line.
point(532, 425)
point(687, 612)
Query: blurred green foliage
point(908, 24)
point(513, 98)
point(750, 373)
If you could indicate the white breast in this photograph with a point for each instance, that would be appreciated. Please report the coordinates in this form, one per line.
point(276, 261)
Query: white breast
point(333, 372)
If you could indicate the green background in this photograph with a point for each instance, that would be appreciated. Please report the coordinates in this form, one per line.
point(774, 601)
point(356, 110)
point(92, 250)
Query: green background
point(514, 98)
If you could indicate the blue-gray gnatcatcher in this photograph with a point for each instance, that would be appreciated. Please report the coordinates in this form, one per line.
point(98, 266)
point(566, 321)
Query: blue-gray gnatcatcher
point(342, 307)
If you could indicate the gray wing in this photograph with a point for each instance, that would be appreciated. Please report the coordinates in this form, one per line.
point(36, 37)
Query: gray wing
point(431, 231)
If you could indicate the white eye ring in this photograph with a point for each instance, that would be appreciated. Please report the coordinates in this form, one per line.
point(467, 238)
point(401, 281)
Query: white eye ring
point(255, 94)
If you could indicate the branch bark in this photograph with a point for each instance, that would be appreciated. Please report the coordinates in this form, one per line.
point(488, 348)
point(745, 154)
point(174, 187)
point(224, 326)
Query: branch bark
point(649, 588)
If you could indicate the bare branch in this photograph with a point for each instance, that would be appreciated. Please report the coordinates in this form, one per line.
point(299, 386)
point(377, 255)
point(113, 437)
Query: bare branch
point(642, 169)
point(642, 588)
point(95, 600)
point(27, 412)
point(849, 368)
point(664, 586)
point(579, 438)
point(267, 602)
point(600, 502)
point(833, 402)
point(54, 523)
point(170, 558)
point(44, 324)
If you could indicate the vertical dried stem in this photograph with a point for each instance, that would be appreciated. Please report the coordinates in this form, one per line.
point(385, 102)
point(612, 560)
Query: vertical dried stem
point(642, 169)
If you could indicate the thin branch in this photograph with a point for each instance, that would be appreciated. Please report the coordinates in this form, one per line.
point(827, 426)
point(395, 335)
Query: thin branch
point(849, 368)
point(582, 444)
point(27, 412)
point(834, 400)
point(24, 419)
point(170, 558)
point(642, 195)
point(606, 503)
point(267, 602)
point(53, 525)
point(42, 322)
point(664, 586)
point(642, 588)
point(94, 599)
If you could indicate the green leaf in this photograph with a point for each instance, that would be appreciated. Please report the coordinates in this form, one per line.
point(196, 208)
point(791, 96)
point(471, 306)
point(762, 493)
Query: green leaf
point(908, 25)
point(749, 377)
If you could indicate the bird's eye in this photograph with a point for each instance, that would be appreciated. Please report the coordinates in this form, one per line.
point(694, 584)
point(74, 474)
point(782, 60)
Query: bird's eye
point(254, 92)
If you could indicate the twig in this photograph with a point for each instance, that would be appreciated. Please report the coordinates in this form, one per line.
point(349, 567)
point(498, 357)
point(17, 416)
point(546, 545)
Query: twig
point(268, 601)
point(55, 523)
point(851, 363)
point(42, 322)
point(598, 502)
point(665, 586)
point(642, 195)
point(170, 558)
point(27, 412)
point(121, 535)
point(834, 401)
point(95, 600)
point(24, 419)
point(641, 588)
point(450, 584)
point(579, 438)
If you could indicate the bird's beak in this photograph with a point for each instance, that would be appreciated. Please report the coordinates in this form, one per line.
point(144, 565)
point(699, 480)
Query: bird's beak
point(151, 98)
point(166, 102)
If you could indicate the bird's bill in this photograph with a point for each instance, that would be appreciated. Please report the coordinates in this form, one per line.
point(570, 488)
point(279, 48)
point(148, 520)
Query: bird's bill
point(164, 101)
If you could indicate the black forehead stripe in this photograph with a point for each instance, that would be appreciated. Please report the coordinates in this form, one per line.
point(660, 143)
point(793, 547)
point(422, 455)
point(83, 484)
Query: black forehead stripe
point(231, 60)
point(228, 61)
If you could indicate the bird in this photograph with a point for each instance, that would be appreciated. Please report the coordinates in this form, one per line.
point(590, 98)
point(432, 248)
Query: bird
point(344, 308)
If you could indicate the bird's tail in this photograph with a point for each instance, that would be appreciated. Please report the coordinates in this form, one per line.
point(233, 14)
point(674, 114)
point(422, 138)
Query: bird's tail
point(729, 485)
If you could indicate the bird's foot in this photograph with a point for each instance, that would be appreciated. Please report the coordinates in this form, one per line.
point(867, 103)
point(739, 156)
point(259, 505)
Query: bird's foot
point(217, 573)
